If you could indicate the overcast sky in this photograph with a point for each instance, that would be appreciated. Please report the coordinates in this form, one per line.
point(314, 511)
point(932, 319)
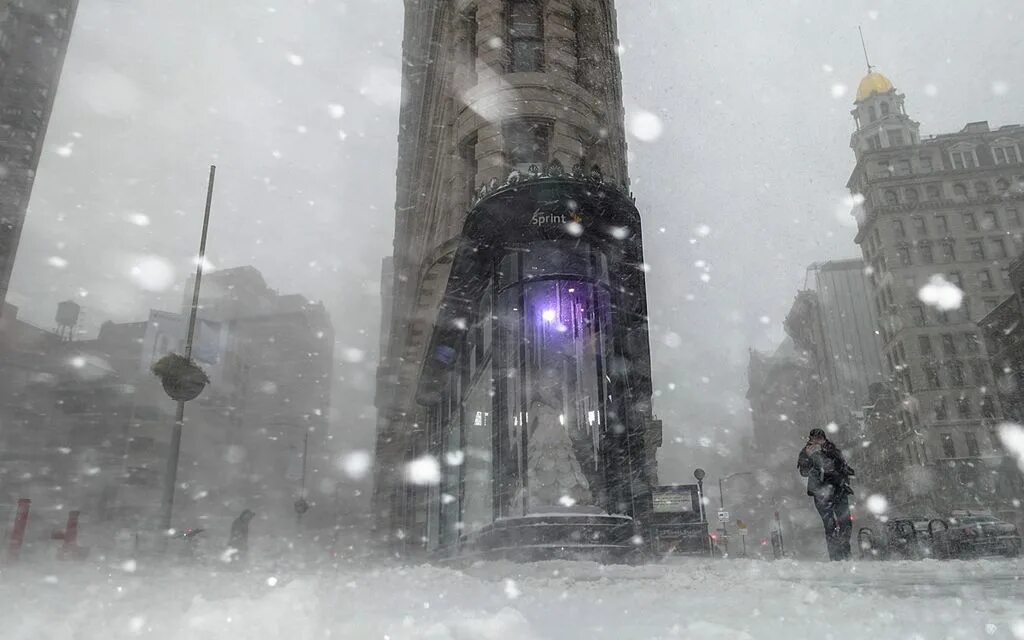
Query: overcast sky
point(297, 102)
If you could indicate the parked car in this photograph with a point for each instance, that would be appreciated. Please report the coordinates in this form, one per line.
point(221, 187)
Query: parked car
point(971, 536)
point(913, 537)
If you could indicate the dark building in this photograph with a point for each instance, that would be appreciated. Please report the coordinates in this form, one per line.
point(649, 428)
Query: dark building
point(514, 393)
point(34, 37)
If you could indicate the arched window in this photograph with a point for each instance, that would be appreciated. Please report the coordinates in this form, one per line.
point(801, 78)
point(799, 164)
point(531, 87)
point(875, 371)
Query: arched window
point(525, 35)
point(885, 109)
point(911, 195)
point(891, 197)
point(959, 190)
point(527, 143)
point(1002, 185)
point(981, 189)
point(872, 114)
point(962, 157)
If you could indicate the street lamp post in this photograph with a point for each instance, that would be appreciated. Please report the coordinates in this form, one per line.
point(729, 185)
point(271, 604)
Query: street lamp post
point(721, 489)
point(171, 473)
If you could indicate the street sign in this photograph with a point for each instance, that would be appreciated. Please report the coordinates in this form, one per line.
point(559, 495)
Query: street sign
point(723, 516)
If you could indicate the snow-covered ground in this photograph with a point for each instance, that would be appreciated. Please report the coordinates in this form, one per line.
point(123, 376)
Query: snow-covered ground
point(687, 598)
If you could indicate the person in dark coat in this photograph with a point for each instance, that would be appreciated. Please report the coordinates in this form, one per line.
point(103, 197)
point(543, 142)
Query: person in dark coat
point(239, 540)
point(828, 482)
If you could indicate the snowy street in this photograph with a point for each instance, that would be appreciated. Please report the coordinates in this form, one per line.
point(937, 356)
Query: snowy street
point(690, 598)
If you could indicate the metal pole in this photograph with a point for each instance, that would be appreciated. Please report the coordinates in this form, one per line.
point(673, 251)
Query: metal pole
point(721, 494)
point(171, 474)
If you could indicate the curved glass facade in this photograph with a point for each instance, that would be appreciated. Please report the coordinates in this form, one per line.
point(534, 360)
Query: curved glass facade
point(520, 429)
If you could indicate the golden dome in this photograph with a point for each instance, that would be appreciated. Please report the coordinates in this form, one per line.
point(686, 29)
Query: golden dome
point(873, 83)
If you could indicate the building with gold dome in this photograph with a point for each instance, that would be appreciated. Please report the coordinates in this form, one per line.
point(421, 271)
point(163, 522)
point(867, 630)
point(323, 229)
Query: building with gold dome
point(941, 215)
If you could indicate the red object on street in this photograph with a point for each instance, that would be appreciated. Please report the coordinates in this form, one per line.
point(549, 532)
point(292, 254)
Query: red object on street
point(18, 533)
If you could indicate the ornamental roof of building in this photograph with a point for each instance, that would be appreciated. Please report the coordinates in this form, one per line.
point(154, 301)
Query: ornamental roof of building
point(873, 83)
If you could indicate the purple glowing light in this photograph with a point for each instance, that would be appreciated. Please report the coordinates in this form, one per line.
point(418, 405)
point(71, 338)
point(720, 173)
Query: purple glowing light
point(548, 315)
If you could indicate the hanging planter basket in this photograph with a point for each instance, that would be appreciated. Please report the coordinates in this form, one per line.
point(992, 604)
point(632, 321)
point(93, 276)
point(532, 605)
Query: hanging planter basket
point(182, 379)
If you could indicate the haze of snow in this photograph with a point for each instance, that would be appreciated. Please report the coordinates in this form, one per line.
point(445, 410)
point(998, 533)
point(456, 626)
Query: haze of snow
point(687, 598)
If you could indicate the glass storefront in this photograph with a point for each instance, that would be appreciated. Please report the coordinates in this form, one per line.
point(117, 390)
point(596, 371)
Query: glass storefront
point(536, 394)
point(553, 392)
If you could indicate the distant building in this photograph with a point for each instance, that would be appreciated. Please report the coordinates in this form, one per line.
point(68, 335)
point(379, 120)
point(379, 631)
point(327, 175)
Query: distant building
point(785, 394)
point(34, 37)
point(91, 428)
point(834, 323)
point(1003, 330)
point(947, 205)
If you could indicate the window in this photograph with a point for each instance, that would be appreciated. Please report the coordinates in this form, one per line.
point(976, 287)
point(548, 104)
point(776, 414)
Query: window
point(1004, 275)
point(1002, 185)
point(925, 249)
point(884, 169)
point(948, 251)
point(956, 373)
point(1013, 218)
point(956, 278)
point(526, 143)
point(910, 195)
point(874, 142)
point(898, 229)
point(917, 315)
point(977, 249)
point(891, 197)
point(972, 445)
point(577, 44)
point(998, 248)
point(979, 372)
point(931, 374)
point(895, 138)
point(919, 226)
point(970, 223)
point(469, 164)
point(469, 33)
point(924, 344)
point(959, 190)
point(926, 165)
point(933, 192)
point(948, 447)
point(963, 407)
point(988, 407)
point(942, 225)
point(948, 344)
point(1006, 155)
point(885, 108)
point(963, 159)
point(941, 410)
point(904, 254)
point(526, 35)
point(902, 166)
point(989, 221)
point(981, 189)
point(985, 279)
point(971, 340)
point(872, 114)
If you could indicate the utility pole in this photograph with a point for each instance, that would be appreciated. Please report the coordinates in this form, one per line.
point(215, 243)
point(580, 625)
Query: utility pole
point(171, 474)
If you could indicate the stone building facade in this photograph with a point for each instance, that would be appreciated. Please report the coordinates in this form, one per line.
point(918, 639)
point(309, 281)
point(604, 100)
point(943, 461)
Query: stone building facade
point(1003, 330)
point(944, 206)
point(34, 37)
point(495, 91)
